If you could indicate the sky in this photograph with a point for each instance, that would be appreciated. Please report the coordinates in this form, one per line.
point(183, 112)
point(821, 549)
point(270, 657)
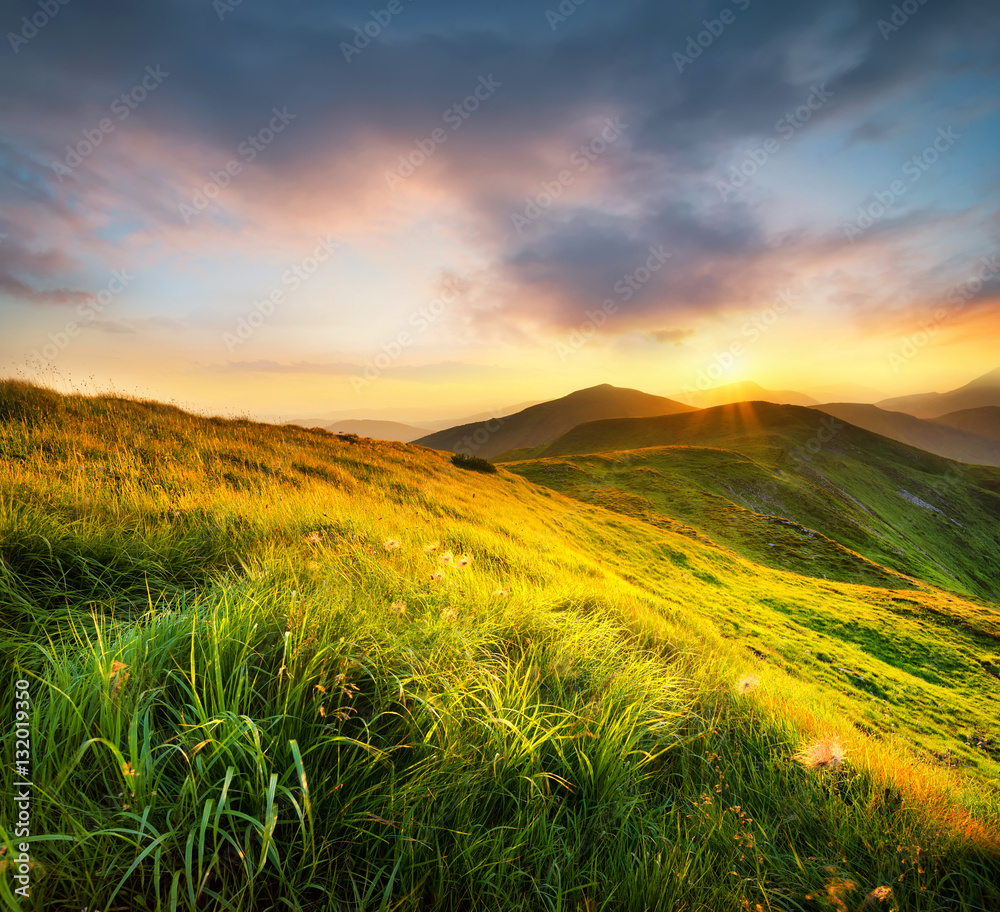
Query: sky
point(315, 209)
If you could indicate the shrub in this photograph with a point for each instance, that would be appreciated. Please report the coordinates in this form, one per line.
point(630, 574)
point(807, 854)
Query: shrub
point(474, 463)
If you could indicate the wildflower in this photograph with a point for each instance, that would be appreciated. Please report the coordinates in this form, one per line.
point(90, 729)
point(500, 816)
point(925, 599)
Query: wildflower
point(129, 773)
point(437, 576)
point(391, 544)
point(433, 546)
point(313, 538)
point(398, 607)
point(118, 677)
point(463, 561)
point(879, 894)
point(825, 753)
point(747, 683)
point(446, 558)
point(501, 593)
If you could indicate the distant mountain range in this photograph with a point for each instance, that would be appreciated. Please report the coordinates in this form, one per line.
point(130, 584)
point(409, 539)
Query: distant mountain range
point(746, 391)
point(971, 436)
point(963, 424)
point(543, 423)
point(980, 393)
point(378, 424)
point(377, 430)
point(985, 421)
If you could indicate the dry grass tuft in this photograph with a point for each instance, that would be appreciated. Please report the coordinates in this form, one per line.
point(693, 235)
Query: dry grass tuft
point(825, 753)
point(747, 683)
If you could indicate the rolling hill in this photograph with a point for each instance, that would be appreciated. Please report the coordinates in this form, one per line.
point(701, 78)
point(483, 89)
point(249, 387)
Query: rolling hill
point(267, 667)
point(957, 439)
point(983, 422)
point(981, 392)
point(546, 421)
point(910, 511)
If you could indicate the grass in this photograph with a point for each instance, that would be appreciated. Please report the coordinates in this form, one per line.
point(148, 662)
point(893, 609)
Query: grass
point(270, 668)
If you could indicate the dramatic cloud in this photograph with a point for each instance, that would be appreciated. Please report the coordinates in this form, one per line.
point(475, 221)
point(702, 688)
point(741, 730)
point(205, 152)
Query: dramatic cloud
point(685, 162)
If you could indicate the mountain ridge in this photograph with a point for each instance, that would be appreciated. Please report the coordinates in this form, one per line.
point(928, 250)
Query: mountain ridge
point(544, 422)
point(983, 391)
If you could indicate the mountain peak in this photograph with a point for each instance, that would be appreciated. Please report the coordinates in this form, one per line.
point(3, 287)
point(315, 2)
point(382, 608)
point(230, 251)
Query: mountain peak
point(992, 379)
point(544, 422)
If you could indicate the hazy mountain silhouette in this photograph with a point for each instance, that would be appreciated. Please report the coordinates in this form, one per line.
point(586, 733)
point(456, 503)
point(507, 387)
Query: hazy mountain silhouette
point(982, 392)
point(543, 423)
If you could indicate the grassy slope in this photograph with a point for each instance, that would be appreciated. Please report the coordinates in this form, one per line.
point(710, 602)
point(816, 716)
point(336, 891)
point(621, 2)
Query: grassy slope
point(250, 685)
point(690, 490)
point(852, 486)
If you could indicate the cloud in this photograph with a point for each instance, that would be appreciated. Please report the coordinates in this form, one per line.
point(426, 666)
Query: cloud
point(113, 326)
point(24, 273)
point(353, 120)
point(671, 335)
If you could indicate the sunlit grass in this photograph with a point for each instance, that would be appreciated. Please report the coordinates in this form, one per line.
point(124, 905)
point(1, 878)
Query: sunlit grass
point(275, 669)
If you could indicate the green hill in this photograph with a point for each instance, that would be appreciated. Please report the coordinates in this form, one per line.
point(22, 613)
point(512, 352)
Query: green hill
point(264, 667)
point(913, 512)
